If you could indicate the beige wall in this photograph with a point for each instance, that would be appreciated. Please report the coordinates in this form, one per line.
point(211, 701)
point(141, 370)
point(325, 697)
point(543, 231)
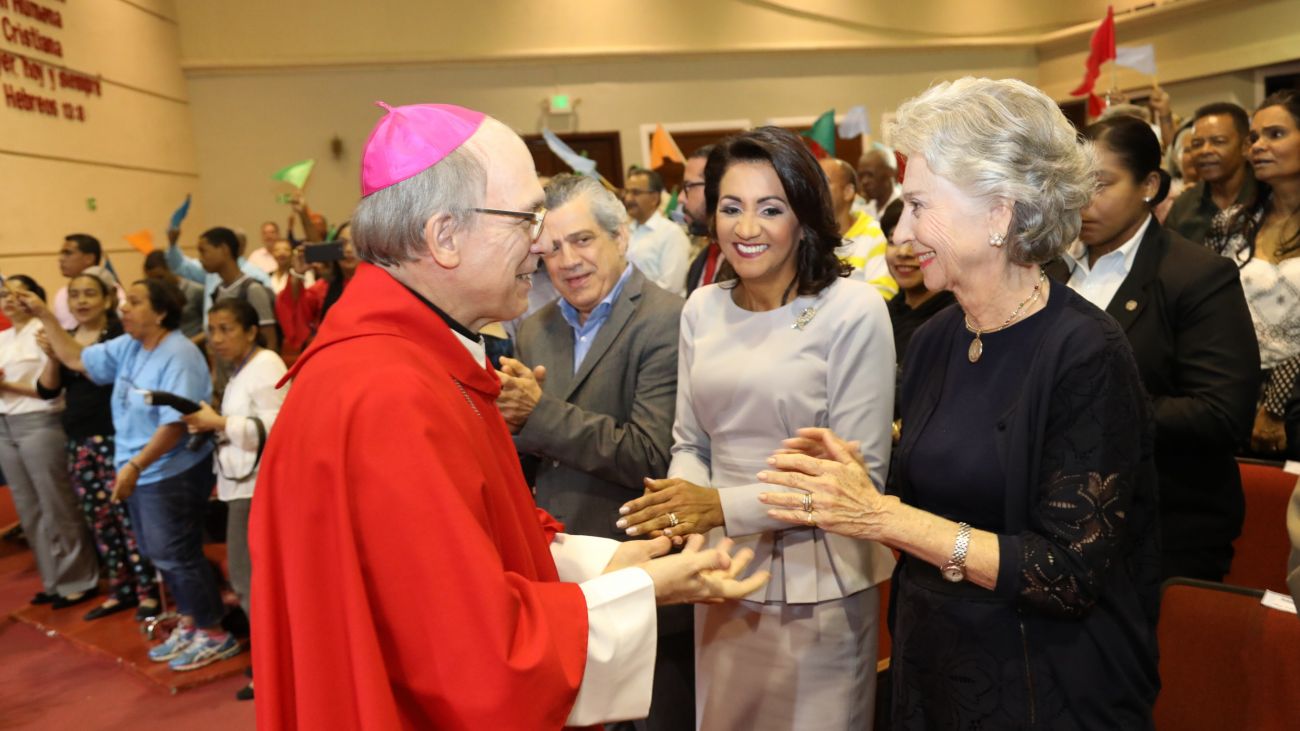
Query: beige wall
point(248, 124)
point(134, 154)
point(307, 32)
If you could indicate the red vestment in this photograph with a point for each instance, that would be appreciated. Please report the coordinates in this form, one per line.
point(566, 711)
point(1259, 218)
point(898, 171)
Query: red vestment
point(299, 315)
point(402, 576)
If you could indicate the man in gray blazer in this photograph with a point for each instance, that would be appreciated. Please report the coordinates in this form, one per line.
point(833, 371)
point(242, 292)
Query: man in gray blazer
point(592, 396)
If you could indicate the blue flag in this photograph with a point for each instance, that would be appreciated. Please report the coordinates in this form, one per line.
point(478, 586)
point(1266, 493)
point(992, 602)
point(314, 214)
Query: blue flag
point(181, 213)
point(580, 164)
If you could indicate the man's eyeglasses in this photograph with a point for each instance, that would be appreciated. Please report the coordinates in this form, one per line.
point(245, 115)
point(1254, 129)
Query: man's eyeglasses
point(694, 184)
point(537, 217)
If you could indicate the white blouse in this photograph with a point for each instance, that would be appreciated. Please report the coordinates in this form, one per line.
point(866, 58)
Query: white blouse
point(250, 392)
point(23, 360)
point(1273, 293)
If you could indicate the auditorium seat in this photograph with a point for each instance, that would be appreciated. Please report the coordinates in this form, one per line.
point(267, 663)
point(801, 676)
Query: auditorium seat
point(1226, 661)
point(1260, 553)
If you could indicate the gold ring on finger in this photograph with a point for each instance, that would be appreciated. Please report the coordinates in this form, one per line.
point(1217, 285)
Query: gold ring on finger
point(672, 520)
point(807, 503)
point(812, 519)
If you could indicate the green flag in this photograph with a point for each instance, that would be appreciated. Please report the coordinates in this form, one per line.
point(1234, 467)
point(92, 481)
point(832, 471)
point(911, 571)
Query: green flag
point(296, 174)
point(822, 135)
point(672, 205)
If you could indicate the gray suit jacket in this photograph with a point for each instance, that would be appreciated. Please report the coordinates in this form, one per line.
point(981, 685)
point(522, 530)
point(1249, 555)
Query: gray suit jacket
point(597, 432)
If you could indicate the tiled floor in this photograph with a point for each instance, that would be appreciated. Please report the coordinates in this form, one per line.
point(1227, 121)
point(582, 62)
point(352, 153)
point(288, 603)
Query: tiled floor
point(59, 672)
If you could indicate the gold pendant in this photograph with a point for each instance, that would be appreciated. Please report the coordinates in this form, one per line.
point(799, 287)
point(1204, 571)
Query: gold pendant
point(976, 349)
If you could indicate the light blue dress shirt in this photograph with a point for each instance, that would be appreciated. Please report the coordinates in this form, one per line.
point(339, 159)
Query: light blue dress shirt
point(584, 334)
point(177, 366)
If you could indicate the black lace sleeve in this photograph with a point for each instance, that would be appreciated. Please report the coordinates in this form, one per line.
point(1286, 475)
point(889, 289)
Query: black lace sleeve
point(1087, 507)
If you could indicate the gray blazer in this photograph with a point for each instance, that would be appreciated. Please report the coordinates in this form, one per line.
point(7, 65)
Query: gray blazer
point(596, 433)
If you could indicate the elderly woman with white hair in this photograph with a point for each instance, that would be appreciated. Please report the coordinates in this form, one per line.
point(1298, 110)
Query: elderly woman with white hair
point(1023, 494)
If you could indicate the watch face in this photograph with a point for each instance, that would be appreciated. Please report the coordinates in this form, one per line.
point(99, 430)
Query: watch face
point(953, 573)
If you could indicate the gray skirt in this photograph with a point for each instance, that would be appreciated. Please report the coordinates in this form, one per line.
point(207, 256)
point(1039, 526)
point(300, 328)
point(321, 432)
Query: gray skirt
point(787, 667)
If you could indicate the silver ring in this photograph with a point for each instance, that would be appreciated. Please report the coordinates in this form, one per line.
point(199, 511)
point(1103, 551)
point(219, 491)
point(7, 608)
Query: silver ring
point(672, 520)
point(807, 503)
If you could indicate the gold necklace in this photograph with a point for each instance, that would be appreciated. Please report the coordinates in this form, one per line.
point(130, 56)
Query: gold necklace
point(977, 346)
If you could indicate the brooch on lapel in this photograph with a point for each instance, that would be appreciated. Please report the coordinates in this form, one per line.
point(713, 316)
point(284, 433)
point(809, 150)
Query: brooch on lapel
point(804, 318)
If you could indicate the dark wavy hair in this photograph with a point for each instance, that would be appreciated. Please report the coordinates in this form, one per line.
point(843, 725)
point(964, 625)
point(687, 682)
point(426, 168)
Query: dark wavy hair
point(166, 298)
point(1137, 148)
point(805, 186)
point(1246, 220)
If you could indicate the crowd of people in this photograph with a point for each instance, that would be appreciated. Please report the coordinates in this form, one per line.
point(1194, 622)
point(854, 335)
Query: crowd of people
point(1014, 382)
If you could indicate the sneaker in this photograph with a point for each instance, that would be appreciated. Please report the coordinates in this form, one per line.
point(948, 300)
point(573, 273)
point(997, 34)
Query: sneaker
point(205, 650)
point(176, 643)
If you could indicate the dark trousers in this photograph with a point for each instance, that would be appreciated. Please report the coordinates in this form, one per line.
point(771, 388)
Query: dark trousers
point(672, 703)
point(168, 520)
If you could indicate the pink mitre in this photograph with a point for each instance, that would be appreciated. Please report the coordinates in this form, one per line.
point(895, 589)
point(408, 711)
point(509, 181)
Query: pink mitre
point(409, 140)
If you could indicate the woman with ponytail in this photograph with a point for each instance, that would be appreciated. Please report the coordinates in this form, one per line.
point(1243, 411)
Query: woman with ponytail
point(1185, 316)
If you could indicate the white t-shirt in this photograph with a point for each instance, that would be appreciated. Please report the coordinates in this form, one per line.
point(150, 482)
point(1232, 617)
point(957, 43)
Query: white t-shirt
point(250, 392)
point(23, 360)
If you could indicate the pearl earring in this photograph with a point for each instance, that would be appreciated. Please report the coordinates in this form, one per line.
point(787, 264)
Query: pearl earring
point(997, 239)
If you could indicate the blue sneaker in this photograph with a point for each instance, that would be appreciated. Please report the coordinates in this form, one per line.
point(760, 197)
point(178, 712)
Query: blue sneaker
point(204, 651)
point(176, 643)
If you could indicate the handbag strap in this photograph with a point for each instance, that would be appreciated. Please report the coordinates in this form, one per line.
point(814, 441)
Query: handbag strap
point(261, 445)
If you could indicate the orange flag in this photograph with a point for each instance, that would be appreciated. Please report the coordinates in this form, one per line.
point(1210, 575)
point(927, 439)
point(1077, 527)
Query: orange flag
point(663, 148)
point(141, 240)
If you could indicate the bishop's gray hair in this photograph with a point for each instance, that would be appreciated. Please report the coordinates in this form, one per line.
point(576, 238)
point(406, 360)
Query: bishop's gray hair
point(1005, 139)
point(388, 224)
point(606, 208)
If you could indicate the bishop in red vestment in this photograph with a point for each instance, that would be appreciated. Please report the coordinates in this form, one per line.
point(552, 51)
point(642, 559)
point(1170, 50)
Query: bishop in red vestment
point(402, 576)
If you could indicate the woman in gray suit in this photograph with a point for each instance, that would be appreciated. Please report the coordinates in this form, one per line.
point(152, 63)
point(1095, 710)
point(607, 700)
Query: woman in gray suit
point(787, 342)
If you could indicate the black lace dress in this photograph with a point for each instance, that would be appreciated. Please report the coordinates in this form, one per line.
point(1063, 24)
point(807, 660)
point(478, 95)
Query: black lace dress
point(1045, 441)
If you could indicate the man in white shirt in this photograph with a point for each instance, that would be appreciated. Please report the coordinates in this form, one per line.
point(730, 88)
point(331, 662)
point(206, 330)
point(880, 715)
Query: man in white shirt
point(658, 247)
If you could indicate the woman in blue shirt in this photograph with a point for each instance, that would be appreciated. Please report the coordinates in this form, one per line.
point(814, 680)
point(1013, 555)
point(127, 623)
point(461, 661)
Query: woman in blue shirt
point(166, 484)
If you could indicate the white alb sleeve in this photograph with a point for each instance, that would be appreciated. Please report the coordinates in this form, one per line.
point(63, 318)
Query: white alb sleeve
point(622, 631)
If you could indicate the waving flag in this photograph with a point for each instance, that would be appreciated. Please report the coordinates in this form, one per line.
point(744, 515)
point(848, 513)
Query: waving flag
point(822, 135)
point(580, 164)
point(142, 240)
point(1139, 58)
point(855, 123)
point(1101, 50)
point(179, 215)
point(296, 174)
point(664, 149)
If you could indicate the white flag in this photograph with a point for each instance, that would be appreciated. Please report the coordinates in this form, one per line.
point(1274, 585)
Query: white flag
point(855, 123)
point(580, 164)
point(1139, 58)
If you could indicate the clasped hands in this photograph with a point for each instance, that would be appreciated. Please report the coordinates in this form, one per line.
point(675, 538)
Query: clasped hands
point(521, 389)
point(695, 575)
point(833, 484)
point(832, 490)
